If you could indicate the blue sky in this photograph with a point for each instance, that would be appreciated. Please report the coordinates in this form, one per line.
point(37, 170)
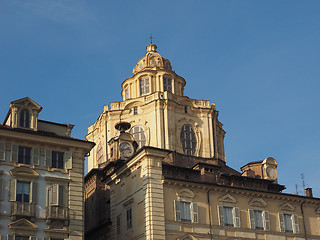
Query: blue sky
point(257, 60)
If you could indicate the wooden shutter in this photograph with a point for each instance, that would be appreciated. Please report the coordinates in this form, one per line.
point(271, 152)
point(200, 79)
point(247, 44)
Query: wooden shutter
point(67, 159)
point(10, 237)
point(220, 215)
point(12, 190)
point(266, 220)
point(1, 189)
point(48, 158)
point(251, 219)
point(35, 155)
point(33, 192)
point(54, 194)
point(295, 223)
point(61, 195)
point(194, 212)
point(177, 210)
point(281, 222)
point(2, 151)
point(14, 153)
point(236, 217)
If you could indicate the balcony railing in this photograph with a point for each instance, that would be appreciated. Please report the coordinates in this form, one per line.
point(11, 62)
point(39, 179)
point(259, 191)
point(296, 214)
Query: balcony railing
point(57, 212)
point(23, 209)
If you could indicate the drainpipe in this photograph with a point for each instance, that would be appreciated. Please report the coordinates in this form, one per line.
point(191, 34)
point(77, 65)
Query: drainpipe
point(304, 224)
point(208, 195)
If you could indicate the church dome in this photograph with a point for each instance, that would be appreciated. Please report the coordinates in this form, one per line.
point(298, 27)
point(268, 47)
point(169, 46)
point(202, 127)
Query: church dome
point(151, 60)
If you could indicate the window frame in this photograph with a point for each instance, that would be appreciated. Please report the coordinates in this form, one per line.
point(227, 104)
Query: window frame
point(23, 184)
point(24, 118)
point(129, 218)
point(188, 140)
point(57, 160)
point(24, 155)
point(144, 86)
point(139, 135)
point(167, 84)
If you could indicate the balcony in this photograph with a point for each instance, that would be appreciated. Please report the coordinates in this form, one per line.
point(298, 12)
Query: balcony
point(22, 209)
point(57, 213)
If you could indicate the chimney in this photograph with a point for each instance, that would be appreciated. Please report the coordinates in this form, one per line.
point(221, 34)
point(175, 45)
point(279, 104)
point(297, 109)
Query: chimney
point(309, 192)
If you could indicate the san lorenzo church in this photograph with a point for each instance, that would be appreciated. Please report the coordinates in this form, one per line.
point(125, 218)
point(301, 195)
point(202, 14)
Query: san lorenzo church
point(158, 171)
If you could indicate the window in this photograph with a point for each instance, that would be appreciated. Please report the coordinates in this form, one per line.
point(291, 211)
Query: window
point(57, 160)
point(119, 224)
point(61, 160)
point(144, 86)
point(24, 119)
point(56, 195)
point(24, 155)
point(127, 93)
point(167, 84)
point(259, 219)
point(188, 140)
point(23, 192)
point(186, 211)
point(185, 109)
point(135, 110)
point(138, 135)
point(229, 216)
point(129, 218)
point(99, 154)
point(289, 223)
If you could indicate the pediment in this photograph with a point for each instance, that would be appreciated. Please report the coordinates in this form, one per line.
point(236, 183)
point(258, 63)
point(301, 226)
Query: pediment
point(185, 194)
point(318, 210)
point(26, 101)
point(257, 202)
point(23, 224)
point(287, 207)
point(24, 172)
point(227, 198)
point(188, 237)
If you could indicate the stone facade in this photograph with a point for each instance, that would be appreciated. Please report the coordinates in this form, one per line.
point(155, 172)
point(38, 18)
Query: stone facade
point(176, 184)
point(41, 175)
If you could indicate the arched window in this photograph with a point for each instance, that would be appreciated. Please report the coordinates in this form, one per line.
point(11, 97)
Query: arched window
point(138, 134)
point(24, 119)
point(188, 140)
point(99, 154)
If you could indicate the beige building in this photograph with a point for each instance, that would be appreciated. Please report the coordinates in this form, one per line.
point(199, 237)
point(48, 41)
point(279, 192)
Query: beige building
point(158, 171)
point(41, 176)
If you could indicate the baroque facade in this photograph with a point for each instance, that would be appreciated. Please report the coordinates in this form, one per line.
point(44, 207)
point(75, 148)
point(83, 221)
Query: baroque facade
point(158, 171)
point(41, 177)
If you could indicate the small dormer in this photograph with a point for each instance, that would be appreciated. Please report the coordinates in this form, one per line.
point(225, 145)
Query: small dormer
point(23, 113)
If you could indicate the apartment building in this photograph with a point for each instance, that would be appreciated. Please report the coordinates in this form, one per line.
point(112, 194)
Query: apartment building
point(41, 176)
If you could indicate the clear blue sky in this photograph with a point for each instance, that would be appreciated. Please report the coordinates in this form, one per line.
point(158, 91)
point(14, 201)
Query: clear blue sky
point(257, 60)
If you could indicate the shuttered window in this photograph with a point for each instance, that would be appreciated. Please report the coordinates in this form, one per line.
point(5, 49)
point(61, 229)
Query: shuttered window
point(229, 216)
point(259, 219)
point(138, 134)
point(289, 223)
point(186, 211)
point(57, 160)
point(23, 192)
point(56, 195)
point(188, 140)
point(129, 218)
